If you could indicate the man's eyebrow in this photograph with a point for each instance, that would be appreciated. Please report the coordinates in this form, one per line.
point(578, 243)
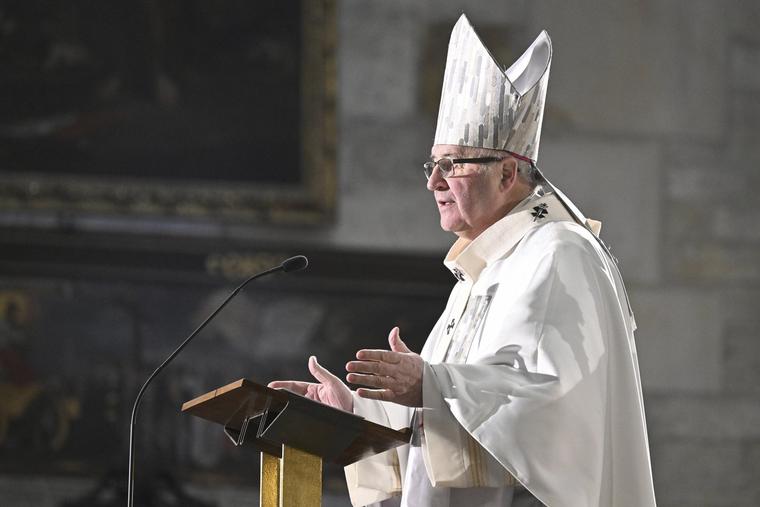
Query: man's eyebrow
point(450, 155)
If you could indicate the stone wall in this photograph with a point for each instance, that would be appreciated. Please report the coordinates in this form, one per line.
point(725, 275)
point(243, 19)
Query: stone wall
point(652, 126)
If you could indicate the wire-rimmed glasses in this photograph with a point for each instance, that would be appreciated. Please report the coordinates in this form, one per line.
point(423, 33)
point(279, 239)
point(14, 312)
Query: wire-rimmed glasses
point(447, 165)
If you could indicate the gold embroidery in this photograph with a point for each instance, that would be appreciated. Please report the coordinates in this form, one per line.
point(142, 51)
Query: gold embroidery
point(478, 459)
point(396, 472)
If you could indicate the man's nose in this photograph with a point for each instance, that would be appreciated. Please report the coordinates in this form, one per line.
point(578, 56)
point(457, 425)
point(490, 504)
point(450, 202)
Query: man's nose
point(436, 181)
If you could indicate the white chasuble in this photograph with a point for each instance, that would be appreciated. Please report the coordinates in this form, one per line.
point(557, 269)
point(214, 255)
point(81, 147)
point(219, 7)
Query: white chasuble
point(531, 389)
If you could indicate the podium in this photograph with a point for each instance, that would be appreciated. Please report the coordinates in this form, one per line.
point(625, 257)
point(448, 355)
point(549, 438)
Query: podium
point(294, 435)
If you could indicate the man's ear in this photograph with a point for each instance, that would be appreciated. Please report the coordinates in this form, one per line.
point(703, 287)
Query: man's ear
point(508, 172)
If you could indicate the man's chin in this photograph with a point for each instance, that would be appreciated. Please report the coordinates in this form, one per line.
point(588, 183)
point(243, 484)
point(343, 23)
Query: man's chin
point(450, 227)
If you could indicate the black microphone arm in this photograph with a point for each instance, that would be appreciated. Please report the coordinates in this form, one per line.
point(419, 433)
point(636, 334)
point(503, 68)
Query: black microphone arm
point(290, 265)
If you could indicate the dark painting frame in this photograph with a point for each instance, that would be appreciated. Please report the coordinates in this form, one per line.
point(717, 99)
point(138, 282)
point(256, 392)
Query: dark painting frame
point(80, 129)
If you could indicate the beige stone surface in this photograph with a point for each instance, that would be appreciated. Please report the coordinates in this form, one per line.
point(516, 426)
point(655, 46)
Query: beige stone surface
point(377, 59)
point(649, 68)
point(678, 339)
point(716, 417)
point(701, 474)
point(612, 181)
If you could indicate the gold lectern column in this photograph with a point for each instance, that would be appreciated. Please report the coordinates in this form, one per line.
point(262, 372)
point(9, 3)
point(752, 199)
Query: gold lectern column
point(300, 479)
point(295, 480)
point(269, 484)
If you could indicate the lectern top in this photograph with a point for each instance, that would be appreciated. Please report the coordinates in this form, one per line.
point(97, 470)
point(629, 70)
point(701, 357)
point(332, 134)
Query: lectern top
point(275, 417)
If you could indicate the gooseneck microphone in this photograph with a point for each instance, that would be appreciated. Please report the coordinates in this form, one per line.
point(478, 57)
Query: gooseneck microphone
point(296, 263)
point(290, 265)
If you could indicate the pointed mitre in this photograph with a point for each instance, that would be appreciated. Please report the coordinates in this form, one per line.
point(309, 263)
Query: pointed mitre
point(483, 105)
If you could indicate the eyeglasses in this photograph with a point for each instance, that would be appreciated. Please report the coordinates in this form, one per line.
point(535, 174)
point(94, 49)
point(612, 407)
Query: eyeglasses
point(447, 164)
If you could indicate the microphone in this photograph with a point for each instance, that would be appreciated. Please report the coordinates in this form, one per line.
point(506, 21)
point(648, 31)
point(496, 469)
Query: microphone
point(290, 265)
point(294, 264)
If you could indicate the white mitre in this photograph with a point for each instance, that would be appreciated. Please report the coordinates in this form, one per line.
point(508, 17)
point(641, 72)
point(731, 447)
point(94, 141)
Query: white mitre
point(484, 106)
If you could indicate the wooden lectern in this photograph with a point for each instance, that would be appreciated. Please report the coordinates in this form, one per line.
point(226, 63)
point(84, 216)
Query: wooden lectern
point(294, 435)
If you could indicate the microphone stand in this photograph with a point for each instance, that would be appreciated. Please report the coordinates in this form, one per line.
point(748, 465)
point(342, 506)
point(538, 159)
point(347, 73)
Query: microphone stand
point(293, 264)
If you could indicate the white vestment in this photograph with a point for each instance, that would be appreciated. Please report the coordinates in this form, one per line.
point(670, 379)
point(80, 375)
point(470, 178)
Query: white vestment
point(531, 380)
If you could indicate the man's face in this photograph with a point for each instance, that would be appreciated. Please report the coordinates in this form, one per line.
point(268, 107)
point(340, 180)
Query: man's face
point(471, 202)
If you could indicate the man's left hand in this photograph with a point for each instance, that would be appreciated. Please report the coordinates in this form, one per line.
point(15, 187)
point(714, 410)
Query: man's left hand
point(395, 375)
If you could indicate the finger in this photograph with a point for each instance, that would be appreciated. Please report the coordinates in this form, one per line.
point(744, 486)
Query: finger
point(320, 373)
point(378, 355)
point(394, 339)
point(369, 380)
point(374, 367)
point(291, 385)
point(376, 394)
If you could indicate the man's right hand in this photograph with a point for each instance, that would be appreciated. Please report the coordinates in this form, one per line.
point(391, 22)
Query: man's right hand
point(330, 390)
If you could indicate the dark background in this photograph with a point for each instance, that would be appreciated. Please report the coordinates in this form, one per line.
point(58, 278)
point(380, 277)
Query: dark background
point(166, 90)
point(80, 334)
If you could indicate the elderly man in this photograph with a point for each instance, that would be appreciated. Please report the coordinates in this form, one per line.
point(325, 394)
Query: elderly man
point(527, 389)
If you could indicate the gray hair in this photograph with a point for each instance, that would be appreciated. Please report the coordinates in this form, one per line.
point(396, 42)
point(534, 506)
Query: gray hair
point(525, 170)
point(529, 173)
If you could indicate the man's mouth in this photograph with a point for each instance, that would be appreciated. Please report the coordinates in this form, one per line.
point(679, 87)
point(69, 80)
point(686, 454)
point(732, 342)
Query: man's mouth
point(444, 203)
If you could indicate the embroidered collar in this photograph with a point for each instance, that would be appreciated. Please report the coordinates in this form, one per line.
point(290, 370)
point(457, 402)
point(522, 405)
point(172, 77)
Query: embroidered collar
point(467, 258)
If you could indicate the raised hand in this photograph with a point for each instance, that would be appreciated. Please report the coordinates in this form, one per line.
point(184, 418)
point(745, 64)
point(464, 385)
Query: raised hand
point(395, 375)
point(330, 390)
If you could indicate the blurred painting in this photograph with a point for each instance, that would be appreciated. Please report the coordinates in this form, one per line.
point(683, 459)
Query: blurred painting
point(190, 109)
